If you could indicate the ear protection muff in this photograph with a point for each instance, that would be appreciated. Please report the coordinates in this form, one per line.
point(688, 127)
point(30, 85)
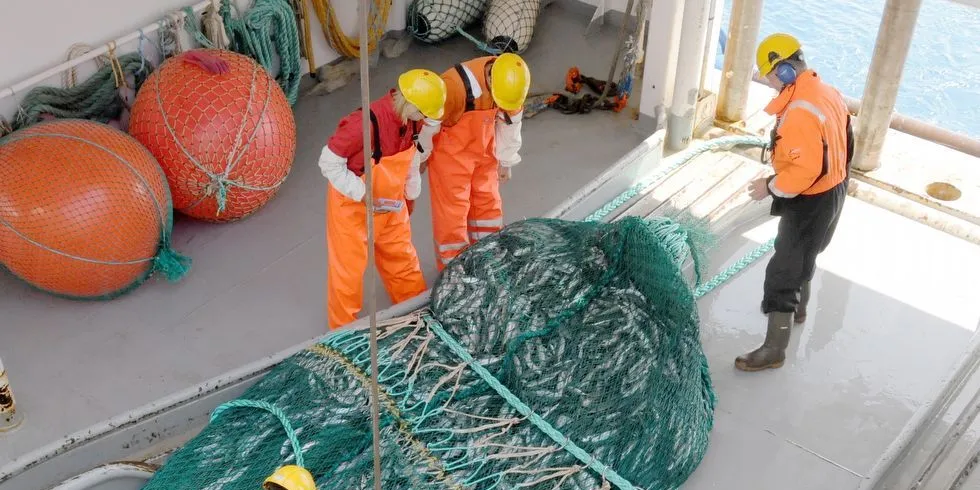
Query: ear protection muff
point(785, 72)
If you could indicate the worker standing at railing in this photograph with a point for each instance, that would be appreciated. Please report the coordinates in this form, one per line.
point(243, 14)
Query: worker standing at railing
point(478, 144)
point(397, 120)
point(812, 146)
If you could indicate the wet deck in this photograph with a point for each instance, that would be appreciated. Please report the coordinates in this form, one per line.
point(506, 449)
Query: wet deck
point(893, 302)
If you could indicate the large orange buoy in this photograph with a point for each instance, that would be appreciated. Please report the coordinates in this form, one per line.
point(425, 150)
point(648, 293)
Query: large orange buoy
point(85, 210)
point(222, 130)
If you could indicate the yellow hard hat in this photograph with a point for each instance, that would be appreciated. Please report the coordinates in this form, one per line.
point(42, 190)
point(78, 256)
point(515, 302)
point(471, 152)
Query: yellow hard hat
point(424, 89)
point(773, 49)
point(290, 477)
point(510, 80)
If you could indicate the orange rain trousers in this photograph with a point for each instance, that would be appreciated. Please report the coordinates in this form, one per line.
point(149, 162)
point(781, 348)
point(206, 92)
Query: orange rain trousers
point(464, 185)
point(397, 260)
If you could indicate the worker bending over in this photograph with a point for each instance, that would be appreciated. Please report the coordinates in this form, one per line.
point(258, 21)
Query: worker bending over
point(396, 121)
point(476, 147)
point(812, 146)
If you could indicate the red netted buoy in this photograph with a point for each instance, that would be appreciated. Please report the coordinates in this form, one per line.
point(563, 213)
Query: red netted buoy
point(222, 130)
point(85, 210)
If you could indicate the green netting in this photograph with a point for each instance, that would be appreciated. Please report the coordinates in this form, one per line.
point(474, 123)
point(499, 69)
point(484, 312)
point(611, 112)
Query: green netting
point(589, 374)
point(432, 21)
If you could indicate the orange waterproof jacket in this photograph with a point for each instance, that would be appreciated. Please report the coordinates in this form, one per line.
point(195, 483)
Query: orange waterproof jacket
point(812, 142)
point(467, 90)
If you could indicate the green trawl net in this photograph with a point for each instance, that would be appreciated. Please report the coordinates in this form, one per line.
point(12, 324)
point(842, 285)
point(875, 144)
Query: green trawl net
point(555, 354)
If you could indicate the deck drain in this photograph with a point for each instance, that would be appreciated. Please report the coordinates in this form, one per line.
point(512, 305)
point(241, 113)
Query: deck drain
point(943, 191)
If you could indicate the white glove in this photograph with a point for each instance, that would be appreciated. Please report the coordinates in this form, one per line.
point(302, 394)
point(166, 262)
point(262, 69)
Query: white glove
point(508, 139)
point(413, 185)
point(334, 168)
point(424, 139)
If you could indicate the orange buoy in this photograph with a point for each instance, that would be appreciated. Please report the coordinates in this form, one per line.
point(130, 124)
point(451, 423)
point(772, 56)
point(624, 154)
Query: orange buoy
point(84, 210)
point(221, 128)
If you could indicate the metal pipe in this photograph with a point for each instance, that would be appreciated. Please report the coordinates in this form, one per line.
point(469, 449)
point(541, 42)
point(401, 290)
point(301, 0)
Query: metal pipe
point(921, 129)
point(95, 53)
point(919, 212)
point(736, 75)
point(715, 12)
point(363, 10)
point(9, 418)
point(884, 78)
point(683, 105)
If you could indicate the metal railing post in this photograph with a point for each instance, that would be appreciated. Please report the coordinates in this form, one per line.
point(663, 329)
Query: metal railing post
point(884, 77)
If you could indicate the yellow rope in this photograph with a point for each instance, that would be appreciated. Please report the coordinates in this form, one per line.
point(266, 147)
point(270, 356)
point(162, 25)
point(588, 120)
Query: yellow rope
point(341, 42)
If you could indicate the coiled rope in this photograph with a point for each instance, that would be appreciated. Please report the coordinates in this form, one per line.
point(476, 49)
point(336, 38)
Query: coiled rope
point(269, 27)
point(340, 41)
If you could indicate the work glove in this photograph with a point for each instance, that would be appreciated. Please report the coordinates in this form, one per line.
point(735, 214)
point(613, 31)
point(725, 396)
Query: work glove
point(508, 140)
point(413, 184)
point(503, 172)
point(384, 206)
point(209, 62)
point(423, 140)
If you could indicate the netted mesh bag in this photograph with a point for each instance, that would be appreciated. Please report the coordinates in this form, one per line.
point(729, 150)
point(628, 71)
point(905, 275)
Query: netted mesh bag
point(588, 339)
point(222, 130)
point(432, 21)
point(85, 210)
point(508, 25)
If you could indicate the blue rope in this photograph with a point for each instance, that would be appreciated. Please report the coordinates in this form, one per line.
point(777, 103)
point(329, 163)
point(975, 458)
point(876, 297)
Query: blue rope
point(290, 433)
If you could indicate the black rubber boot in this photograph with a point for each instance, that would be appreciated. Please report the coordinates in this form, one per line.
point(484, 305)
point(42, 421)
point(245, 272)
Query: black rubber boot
point(772, 354)
point(800, 316)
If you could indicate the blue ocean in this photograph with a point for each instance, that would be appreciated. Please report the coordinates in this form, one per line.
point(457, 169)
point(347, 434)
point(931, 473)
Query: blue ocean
point(941, 82)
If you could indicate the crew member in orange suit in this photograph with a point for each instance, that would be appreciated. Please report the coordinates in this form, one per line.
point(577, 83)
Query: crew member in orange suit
point(812, 147)
point(475, 149)
point(396, 122)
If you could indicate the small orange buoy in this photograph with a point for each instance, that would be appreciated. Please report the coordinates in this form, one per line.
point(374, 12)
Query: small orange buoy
point(84, 210)
point(221, 128)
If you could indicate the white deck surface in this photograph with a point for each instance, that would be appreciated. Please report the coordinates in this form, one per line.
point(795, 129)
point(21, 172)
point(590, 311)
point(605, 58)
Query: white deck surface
point(894, 302)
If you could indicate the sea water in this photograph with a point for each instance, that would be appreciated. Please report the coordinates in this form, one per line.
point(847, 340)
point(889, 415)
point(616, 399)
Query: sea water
point(941, 81)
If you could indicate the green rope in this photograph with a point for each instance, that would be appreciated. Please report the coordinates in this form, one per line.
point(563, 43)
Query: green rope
point(97, 98)
point(555, 435)
point(274, 410)
point(268, 28)
point(723, 143)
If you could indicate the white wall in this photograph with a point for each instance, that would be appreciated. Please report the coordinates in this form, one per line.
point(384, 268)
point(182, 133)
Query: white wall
point(38, 33)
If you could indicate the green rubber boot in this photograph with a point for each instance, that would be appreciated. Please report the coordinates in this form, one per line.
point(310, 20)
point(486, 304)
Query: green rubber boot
point(772, 354)
point(800, 316)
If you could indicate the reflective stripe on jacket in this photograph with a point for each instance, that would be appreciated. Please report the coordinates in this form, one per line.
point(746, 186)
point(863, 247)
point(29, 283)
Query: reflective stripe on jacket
point(812, 140)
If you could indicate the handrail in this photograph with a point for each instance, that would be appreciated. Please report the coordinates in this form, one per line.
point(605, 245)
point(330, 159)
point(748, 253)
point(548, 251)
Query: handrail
point(105, 48)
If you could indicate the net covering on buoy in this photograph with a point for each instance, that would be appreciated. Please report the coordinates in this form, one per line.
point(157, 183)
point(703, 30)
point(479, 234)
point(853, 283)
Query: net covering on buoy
point(222, 130)
point(554, 355)
point(508, 25)
point(432, 21)
point(85, 210)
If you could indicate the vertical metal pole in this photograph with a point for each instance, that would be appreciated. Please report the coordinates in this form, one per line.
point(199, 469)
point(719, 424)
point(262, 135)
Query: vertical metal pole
point(736, 75)
point(660, 59)
point(9, 418)
point(684, 102)
point(884, 77)
point(369, 203)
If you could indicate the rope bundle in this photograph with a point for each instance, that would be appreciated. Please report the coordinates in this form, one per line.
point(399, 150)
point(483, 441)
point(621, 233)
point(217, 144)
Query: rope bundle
point(334, 32)
point(98, 98)
point(268, 28)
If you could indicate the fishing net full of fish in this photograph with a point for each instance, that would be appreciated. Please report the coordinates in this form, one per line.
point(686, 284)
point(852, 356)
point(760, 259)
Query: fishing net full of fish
point(553, 354)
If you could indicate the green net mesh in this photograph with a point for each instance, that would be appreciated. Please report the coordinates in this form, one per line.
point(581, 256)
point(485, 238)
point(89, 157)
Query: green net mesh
point(547, 338)
point(432, 21)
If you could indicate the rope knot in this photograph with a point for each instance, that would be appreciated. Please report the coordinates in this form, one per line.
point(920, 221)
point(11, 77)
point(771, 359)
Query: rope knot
point(218, 187)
